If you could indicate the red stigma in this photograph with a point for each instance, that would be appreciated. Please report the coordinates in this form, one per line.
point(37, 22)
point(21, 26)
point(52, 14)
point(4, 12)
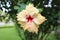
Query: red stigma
point(29, 18)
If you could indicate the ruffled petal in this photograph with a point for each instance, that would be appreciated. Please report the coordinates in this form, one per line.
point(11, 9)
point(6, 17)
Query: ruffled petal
point(31, 9)
point(33, 28)
point(21, 21)
point(39, 19)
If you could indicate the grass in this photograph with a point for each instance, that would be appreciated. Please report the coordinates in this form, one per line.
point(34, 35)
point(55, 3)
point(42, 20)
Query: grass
point(8, 34)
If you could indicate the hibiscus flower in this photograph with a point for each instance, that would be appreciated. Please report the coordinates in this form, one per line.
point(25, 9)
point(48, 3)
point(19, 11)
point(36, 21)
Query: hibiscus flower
point(30, 18)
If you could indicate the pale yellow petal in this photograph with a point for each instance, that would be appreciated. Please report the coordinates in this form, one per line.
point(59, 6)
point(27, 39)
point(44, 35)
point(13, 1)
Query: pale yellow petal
point(31, 9)
point(25, 26)
point(33, 28)
point(22, 19)
point(29, 6)
point(22, 23)
point(39, 19)
point(22, 14)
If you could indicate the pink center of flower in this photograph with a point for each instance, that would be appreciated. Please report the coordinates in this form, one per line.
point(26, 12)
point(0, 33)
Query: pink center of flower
point(29, 18)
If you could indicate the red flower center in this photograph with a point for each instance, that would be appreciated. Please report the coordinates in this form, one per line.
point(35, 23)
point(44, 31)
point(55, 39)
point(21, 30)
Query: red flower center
point(29, 18)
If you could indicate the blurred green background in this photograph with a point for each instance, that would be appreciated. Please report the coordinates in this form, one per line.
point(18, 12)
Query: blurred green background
point(10, 33)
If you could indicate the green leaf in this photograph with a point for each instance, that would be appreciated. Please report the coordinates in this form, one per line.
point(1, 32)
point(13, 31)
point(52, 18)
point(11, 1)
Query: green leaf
point(40, 10)
point(40, 34)
point(21, 7)
point(16, 7)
